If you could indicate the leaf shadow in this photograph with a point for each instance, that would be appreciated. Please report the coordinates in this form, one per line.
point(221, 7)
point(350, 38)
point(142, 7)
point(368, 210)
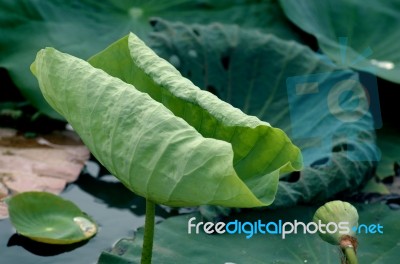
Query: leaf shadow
point(41, 249)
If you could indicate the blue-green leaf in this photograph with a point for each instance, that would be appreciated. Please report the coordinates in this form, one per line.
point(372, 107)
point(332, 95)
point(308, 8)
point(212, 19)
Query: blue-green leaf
point(173, 244)
point(84, 27)
point(359, 33)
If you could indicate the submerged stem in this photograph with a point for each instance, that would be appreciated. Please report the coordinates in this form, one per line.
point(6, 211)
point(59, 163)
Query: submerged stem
point(147, 248)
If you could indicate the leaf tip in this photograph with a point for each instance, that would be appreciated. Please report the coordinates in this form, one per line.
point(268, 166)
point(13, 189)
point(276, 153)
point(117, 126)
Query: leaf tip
point(39, 54)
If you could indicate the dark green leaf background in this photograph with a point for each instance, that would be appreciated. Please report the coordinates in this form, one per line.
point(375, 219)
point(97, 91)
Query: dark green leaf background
point(362, 34)
point(173, 244)
point(245, 52)
point(84, 27)
point(255, 80)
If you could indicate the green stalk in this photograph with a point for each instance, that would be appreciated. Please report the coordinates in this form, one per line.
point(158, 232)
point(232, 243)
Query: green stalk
point(350, 255)
point(349, 244)
point(147, 248)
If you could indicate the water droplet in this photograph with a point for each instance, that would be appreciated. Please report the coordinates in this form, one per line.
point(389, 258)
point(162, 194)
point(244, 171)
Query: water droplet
point(69, 127)
point(387, 65)
point(87, 227)
point(192, 53)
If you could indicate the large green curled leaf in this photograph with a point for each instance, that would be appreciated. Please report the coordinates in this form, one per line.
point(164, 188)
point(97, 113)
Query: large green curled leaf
point(190, 149)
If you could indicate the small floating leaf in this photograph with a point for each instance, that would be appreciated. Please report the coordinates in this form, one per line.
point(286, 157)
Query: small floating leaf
point(47, 218)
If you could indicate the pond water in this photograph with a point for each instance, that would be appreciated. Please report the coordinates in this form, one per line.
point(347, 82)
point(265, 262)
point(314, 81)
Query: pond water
point(117, 211)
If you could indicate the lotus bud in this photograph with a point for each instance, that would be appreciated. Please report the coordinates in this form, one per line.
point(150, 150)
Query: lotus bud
point(336, 212)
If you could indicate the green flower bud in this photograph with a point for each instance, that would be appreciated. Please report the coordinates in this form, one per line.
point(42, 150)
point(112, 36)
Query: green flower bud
point(337, 211)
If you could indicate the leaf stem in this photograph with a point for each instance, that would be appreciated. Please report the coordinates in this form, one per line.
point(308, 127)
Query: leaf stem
point(147, 248)
point(349, 244)
point(350, 255)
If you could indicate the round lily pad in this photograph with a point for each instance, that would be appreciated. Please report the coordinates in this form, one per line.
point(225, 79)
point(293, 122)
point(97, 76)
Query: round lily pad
point(47, 218)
